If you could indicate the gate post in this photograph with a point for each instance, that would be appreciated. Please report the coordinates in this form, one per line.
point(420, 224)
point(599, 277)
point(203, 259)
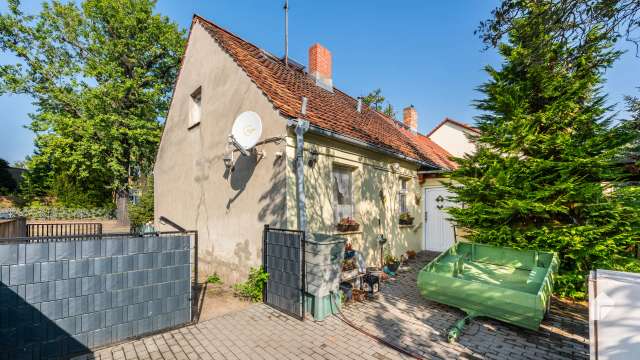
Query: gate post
point(264, 260)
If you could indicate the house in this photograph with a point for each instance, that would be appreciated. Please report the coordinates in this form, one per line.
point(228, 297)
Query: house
point(454, 137)
point(322, 156)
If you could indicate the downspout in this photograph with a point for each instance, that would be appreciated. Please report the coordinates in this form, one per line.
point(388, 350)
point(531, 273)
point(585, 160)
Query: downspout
point(301, 128)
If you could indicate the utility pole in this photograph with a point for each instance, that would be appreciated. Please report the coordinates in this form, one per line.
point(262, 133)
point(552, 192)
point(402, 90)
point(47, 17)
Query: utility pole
point(286, 32)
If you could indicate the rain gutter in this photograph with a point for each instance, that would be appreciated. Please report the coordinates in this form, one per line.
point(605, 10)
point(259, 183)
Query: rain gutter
point(352, 141)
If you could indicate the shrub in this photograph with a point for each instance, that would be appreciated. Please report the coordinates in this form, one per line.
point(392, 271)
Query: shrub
point(252, 288)
point(59, 213)
point(214, 279)
point(390, 259)
point(142, 212)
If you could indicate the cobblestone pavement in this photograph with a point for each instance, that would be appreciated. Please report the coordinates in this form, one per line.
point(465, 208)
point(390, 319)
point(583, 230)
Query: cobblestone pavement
point(258, 332)
point(399, 315)
point(402, 316)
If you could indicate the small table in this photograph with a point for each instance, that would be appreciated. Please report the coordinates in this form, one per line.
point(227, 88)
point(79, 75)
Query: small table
point(352, 275)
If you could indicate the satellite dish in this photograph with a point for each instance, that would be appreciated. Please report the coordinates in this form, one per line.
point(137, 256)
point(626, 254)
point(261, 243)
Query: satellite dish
point(247, 129)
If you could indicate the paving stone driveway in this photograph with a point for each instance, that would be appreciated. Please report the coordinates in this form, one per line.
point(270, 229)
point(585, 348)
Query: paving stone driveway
point(399, 315)
point(403, 317)
point(258, 332)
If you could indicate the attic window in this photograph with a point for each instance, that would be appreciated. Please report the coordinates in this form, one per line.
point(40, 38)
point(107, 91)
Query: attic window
point(195, 108)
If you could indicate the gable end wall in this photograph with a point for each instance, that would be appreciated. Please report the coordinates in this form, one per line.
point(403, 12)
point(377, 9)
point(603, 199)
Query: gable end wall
point(194, 189)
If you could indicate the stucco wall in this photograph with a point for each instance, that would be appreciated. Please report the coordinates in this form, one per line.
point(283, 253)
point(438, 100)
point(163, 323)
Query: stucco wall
point(192, 186)
point(372, 174)
point(453, 138)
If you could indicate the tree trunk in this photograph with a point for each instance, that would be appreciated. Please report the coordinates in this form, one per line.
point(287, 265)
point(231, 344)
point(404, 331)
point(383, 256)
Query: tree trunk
point(122, 209)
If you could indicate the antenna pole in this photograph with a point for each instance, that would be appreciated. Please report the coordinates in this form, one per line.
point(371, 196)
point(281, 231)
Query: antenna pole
point(286, 32)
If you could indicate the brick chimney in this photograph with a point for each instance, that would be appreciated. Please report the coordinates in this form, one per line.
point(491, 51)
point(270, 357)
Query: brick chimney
point(320, 66)
point(410, 118)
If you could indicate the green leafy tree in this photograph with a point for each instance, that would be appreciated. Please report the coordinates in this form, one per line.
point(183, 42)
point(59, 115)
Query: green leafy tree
point(538, 179)
point(7, 182)
point(100, 73)
point(376, 100)
point(633, 125)
point(142, 212)
point(573, 19)
point(389, 111)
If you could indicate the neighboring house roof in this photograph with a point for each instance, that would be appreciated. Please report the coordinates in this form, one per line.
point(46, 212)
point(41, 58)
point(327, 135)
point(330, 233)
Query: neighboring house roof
point(455, 122)
point(334, 111)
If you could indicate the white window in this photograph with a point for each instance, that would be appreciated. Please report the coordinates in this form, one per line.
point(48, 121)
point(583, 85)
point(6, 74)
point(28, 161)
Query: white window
point(342, 193)
point(195, 109)
point(402, 195)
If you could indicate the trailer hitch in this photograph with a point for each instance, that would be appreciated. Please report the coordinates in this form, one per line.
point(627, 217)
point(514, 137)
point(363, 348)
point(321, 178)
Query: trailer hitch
point(456, 330)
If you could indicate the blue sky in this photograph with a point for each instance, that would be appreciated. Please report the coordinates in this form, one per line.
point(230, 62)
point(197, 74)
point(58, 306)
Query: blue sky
point(419, 52)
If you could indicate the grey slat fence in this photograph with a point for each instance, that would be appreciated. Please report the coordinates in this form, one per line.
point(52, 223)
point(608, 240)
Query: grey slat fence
point(68, 295)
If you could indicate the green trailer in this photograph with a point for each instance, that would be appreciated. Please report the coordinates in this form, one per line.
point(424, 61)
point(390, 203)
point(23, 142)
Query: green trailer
point(506, 284)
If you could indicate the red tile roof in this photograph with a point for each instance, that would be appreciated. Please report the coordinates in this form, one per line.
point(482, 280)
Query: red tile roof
point(334, 111)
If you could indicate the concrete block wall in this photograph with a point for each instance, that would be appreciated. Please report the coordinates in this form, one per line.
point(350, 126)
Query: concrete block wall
point(66, 297)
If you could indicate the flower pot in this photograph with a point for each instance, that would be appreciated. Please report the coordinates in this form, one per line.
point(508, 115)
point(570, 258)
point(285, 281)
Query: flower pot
point(346, 289)
point(394, 266)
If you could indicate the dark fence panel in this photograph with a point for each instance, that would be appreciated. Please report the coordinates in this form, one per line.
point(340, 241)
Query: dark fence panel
point(283, 253)
point(60, 297)
point(15, 227)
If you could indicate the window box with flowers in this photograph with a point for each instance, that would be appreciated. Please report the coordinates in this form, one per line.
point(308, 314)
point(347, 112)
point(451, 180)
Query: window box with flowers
point(406, 219)
point(347, 225)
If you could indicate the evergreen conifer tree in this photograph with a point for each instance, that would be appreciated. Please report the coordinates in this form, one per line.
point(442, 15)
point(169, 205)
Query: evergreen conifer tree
point(542, 175)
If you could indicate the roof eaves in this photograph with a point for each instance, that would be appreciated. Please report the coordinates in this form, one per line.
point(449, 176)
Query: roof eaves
point(456, 122)
point(353, 141)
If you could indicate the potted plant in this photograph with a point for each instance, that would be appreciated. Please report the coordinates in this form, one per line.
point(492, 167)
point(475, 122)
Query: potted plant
point(347, 224)
point(392, 262)
point(348, 265)
point(406, 219)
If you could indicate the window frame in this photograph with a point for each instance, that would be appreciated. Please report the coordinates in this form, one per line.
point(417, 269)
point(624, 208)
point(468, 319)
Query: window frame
point(334, 200)
point(195, 105)
point(403, 194)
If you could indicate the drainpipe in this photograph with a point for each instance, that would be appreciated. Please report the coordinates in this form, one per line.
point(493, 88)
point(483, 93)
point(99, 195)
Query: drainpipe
point(301, 128)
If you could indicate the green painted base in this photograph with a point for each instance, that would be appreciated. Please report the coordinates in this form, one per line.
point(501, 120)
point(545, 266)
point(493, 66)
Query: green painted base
point(322, 307)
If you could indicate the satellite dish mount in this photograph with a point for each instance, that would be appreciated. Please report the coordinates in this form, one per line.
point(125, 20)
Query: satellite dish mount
point(245, 133)
point(234, 142)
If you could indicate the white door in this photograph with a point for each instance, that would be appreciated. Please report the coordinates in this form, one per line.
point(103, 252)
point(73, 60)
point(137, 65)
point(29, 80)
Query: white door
point(438, 230)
